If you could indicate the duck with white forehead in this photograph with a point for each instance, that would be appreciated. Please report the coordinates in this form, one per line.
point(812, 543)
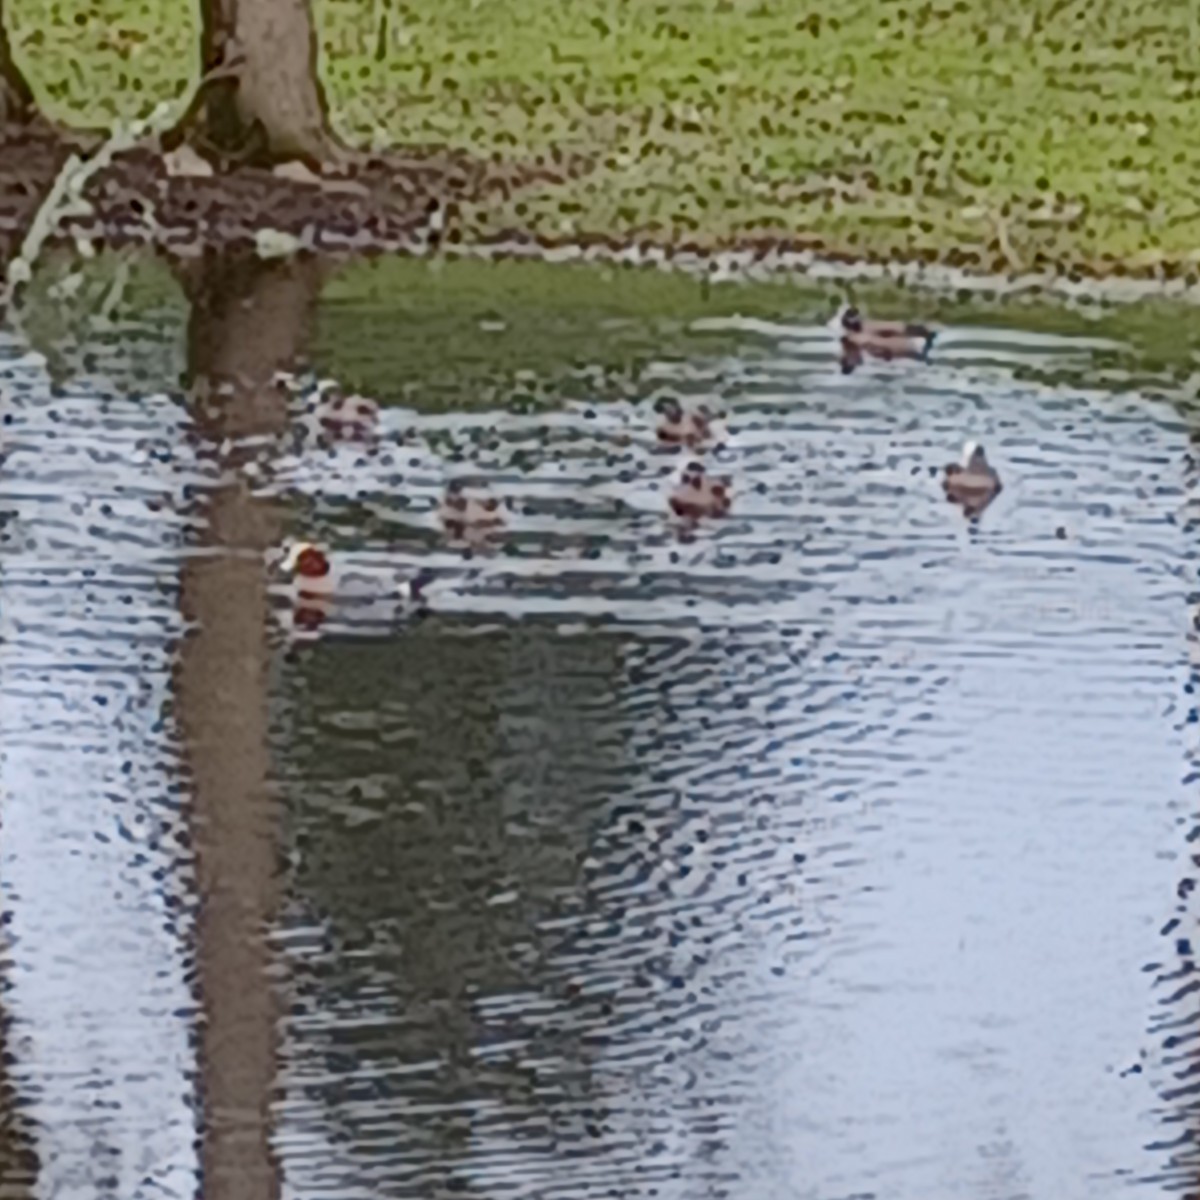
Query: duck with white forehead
point(972, 483)
point(315, 581)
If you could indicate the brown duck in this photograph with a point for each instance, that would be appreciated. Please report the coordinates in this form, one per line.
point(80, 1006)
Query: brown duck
point(973, 483)
point(695, 429)
point(698, 494)
point(886, 340)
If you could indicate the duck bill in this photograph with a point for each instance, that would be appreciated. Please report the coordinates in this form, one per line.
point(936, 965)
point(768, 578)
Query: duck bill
point(291, 559)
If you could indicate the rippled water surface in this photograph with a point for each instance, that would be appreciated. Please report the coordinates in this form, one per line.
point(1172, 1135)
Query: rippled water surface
point(838, 849)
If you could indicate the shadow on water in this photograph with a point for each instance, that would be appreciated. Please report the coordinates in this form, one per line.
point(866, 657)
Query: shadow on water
point(508, 900)
point(433, 859)
point(817, 854)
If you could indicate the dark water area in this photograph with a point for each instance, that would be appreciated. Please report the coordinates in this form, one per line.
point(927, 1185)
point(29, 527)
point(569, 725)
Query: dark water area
point(838, 848)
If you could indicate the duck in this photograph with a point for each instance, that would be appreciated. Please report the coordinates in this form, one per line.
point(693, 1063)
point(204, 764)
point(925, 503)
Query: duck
point(694, 428)
point(466, 517)
point(309, 569)
point(882, 339)
point(698, 494)
point(310, 586)
point(346, 415)
point(972, 483)
point(313, 580)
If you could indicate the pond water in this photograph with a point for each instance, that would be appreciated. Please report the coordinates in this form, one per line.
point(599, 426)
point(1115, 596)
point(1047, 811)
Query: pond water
point(838, 849)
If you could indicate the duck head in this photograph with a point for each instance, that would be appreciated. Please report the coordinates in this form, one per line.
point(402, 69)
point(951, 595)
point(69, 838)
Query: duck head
point(709, 415)
point(973, 457)
point(852, 320)
point(455, 499)
point(669, 407)
point(305, 560)
point(715, 423)
point(327, 397)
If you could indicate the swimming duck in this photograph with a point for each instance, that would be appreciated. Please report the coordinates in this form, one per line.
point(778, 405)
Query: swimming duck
point(464, 516)
point(972, 483)
point(311, 586)
point(882, 339)
point(346, 416)
point(698, 494)
point(695, 429)
point(313, 579)
point(310, 570)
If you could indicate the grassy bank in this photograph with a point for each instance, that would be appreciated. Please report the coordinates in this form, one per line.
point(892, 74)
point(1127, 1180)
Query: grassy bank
point(979, 132)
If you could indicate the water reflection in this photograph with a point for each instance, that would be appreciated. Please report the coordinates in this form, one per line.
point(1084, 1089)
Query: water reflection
point(249, 321)
point(817, 854)
point(94, 862)
point(18, 1156)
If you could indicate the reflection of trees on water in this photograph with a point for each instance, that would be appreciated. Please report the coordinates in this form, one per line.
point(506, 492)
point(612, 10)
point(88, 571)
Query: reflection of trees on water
point(439, 821)
point(526, 881)
point(94, 972)
point(248, 319)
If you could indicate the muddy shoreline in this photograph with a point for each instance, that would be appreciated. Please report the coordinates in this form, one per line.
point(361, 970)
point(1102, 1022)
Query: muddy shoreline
point(409, 202)
point(382, 205)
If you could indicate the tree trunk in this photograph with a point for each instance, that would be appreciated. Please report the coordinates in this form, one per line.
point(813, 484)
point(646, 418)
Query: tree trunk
point(260, 99)
point(249, 318)
point(17, 105)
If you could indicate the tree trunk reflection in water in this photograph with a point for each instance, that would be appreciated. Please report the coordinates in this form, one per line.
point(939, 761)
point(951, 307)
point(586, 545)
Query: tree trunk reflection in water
point(18, 1159)
point(248, 319)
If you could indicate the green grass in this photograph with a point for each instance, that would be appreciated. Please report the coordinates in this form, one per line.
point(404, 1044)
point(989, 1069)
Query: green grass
point(890, 128)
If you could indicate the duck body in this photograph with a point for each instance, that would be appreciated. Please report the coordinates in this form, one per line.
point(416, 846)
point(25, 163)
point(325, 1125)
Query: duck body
point(698, 494)
point(973, 483)
point(313, 586)
point(886, 340)
point(694, 428)
point(346, 416)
